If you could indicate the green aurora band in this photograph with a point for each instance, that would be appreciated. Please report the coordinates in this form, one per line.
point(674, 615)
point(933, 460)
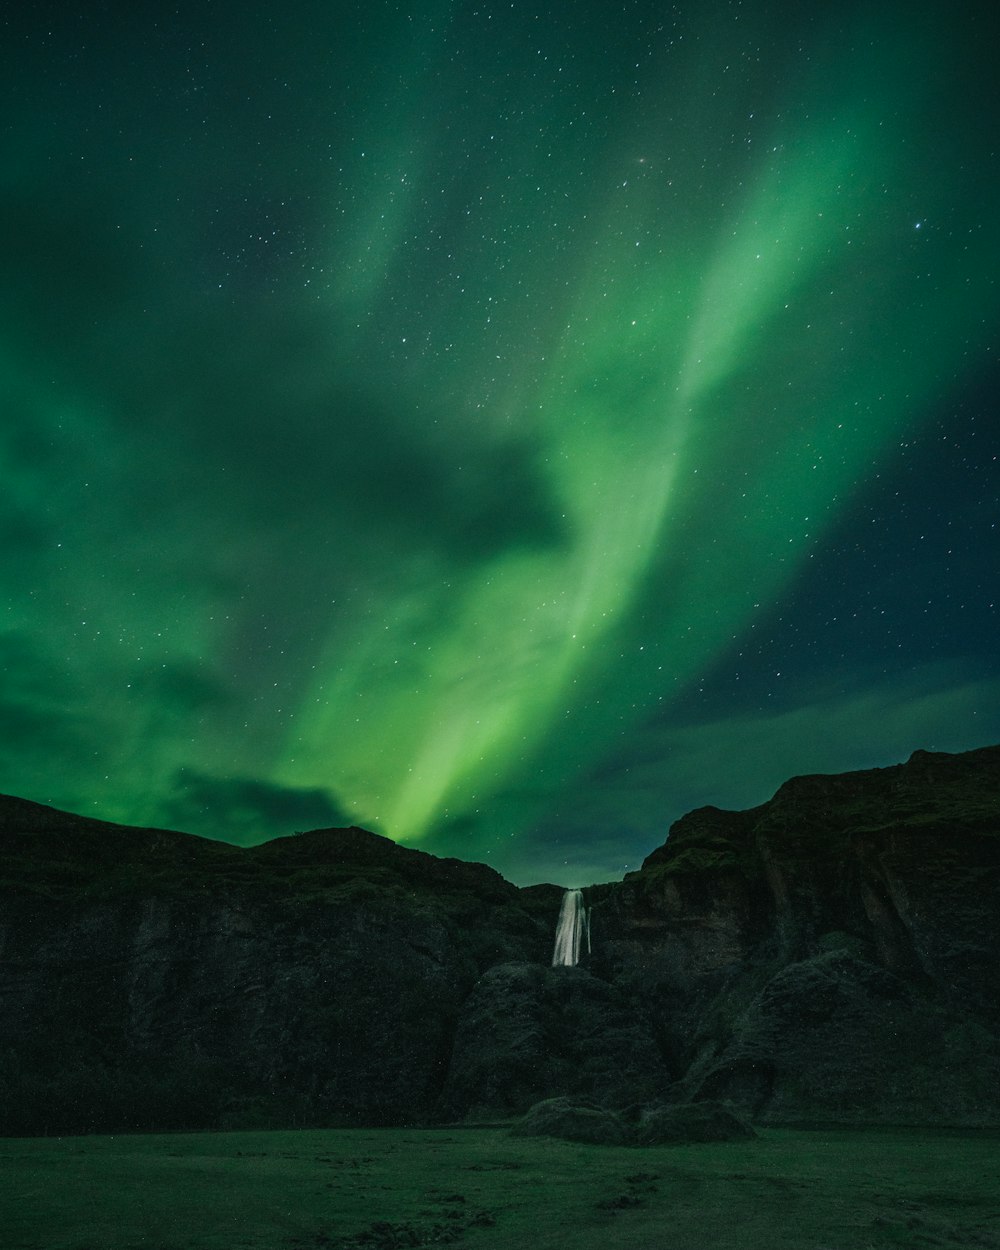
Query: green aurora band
point(550, 386)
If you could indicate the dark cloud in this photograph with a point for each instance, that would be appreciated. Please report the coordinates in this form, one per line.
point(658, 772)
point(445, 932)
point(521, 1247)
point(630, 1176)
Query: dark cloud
point(242, 810)
point(65, 271)
point(22, 534)
point(39, 719)
point(342, 459)
point(254, 405)
point(182, 687)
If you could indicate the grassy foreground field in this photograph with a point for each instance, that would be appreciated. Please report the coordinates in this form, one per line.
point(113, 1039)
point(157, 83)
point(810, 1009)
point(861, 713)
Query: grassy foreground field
point(483, 1190)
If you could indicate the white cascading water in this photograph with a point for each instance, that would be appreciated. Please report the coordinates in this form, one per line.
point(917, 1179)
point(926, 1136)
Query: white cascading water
point(573, 927)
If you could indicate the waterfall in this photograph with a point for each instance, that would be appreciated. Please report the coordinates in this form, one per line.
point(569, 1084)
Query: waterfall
point(573, 927)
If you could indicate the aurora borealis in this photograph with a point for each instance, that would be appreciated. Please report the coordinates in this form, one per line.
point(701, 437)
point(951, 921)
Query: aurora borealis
point(502, 427)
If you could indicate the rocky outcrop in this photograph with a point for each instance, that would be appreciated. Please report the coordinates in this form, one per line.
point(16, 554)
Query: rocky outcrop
point(527, 1029)
point(828, 955)
point(677, 1123)
point(571, 1120)
point(655, 1124)
point(148, 976)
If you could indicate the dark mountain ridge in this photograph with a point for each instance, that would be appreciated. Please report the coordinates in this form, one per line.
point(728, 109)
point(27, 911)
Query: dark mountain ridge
point(828, 955)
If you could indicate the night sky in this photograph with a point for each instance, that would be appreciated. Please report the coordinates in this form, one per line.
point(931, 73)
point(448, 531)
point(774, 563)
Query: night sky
point(505, 427)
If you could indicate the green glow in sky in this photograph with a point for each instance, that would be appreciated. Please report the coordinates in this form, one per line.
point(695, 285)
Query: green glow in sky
point(400, 441)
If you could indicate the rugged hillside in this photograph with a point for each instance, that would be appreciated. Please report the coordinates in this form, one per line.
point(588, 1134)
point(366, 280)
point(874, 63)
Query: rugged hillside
point(830, 954)
point(826, 956)
point(149, 977)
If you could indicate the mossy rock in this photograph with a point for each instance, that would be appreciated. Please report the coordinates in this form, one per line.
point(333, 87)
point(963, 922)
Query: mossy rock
point(692, 1122)
point(572, 1121)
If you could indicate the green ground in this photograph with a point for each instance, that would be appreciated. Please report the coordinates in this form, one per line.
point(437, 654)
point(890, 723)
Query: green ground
point(483, 1190)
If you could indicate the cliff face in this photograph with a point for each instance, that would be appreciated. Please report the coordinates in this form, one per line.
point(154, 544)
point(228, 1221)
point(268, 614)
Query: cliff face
point(148, 977)
point(827, 956)
point(831, 954)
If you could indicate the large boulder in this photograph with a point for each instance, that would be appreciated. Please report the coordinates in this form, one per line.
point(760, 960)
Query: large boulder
point(574, 1121)
point(839, 1038)
point(691, 1122)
